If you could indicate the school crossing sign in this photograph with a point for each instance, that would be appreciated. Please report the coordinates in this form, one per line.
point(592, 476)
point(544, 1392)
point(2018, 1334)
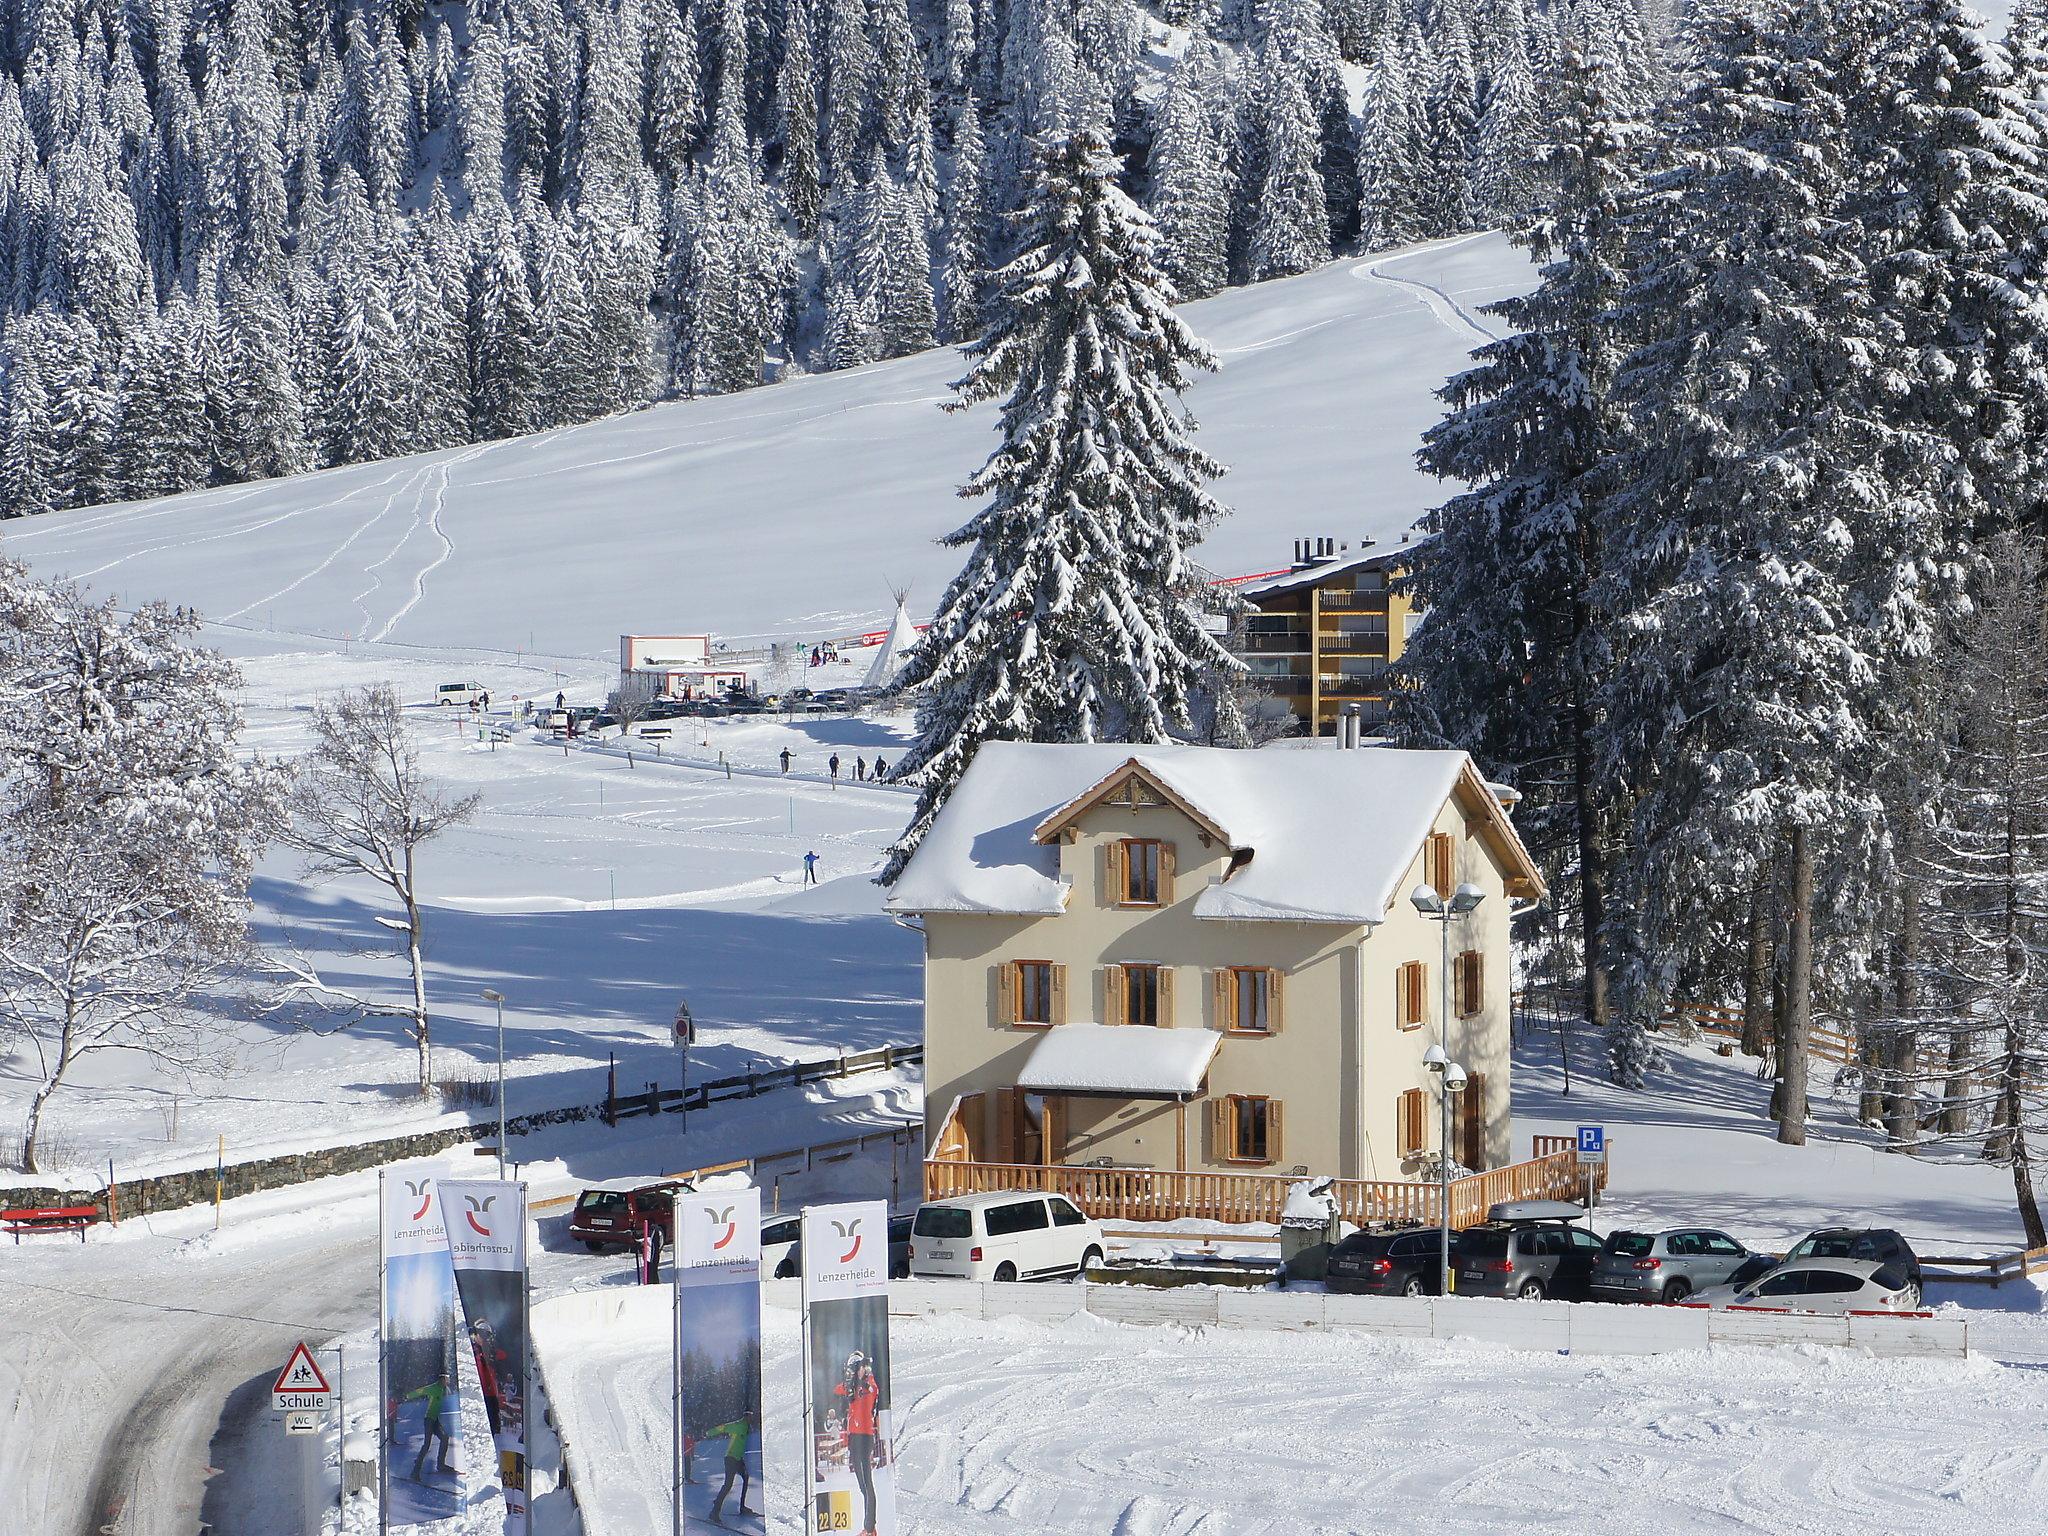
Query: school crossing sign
point(301, 1387)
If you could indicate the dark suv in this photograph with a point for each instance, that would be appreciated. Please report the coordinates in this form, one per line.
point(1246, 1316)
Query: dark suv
point(1882, 1244)
point(1530, 1260)
point(1402, 1262)
point(612, 1218)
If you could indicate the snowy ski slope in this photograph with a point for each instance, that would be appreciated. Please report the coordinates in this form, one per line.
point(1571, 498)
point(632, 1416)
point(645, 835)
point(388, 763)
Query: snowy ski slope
point(789, 510)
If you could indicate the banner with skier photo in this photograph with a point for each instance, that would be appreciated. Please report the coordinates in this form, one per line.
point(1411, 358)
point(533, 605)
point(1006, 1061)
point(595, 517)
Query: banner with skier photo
point(486, 1221)
point(718, 1360)
point(852, 1468)
point(418, 1364)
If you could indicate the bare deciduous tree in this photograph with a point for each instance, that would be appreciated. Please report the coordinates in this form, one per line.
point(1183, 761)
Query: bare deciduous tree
point(362, 806)
point(131, 826)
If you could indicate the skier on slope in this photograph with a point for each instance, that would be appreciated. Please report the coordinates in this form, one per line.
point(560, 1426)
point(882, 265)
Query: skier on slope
point(810, 869)
point(785, 759)
point(432, 1396)
point(862, 1393)
point(736, 1434)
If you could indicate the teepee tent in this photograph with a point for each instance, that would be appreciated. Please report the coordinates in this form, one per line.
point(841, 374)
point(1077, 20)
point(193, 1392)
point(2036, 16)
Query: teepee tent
point(902, 636)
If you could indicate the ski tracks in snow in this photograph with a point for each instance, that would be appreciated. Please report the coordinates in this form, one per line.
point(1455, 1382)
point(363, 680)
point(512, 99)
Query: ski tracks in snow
point(1449, 312)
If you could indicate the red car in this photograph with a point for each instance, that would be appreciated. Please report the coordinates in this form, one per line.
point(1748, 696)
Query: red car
point(612, 1218)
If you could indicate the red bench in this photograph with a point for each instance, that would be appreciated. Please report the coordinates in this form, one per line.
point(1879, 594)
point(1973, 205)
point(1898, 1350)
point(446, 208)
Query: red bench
point(50, 1218)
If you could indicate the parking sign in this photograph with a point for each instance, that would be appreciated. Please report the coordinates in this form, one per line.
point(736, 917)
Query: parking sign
point(1592, 1144)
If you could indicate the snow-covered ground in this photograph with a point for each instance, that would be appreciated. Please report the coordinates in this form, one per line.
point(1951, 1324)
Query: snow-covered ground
point(1085, 1426)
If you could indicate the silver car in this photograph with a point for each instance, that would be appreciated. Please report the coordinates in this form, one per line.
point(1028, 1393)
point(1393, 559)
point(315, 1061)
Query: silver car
point(1823, 1285)
point(1665, 1266)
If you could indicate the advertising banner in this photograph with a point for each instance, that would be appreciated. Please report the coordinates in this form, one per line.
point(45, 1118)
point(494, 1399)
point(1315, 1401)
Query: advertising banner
point(718, 1361)
point(852, 1472)
point(486, 1221)
point(422, 1330)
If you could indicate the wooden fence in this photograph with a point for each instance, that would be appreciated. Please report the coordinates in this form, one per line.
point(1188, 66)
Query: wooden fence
point(1159, 1194)
point(1996, 1269)
point(750, 1084)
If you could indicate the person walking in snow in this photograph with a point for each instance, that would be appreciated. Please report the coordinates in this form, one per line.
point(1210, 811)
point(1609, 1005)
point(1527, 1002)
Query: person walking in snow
point(736, 1434)
point(834, 766)
point(785, 759)
point(810, 869)
point(881, 770)
point(860, 770)
point(432, 1396)
point(558, 699)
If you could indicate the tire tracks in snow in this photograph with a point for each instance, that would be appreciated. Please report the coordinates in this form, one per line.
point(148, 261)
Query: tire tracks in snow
point(433, 521)
point(1448, 311)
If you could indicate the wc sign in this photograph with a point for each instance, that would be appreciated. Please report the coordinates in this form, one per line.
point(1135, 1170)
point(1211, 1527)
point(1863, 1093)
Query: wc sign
point(1592, 1145)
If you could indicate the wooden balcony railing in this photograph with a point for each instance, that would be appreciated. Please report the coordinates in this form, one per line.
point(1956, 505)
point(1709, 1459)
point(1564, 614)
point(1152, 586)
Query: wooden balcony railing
point(1159, 1194)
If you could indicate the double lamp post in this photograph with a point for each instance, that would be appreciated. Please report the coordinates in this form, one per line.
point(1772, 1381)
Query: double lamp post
point(1434, 908)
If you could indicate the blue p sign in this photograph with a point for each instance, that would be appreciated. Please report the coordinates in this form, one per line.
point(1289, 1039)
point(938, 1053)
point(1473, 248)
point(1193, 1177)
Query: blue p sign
point(1593, 1139)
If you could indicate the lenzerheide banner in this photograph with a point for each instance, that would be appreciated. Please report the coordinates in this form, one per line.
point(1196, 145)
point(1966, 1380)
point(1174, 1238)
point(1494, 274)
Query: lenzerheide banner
point(422, 1331)
point(486, 1221)
point(851, 1473)
point(718, 1360)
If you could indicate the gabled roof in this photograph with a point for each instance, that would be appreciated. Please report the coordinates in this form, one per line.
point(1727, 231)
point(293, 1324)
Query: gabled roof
point(1325, 836)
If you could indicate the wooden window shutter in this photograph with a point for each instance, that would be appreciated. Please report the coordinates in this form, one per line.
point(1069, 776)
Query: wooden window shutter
point(1165, 873)
point(1222, 1123)
point(1006, 992)
point(1006, 1126)
point(1059, 994)
point(1411, 1131)
point(1112, 872)
point(1112, 994)
point(1274, 1010)
point(1165, 975)
point(1054, 1142)
point(1223, 992)
point(1273, 1131)
point(1474, 1105)
point(1440, 867)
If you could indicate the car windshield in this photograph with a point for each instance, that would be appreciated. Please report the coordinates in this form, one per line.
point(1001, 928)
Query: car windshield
point(1631, 1245)
point(1825, 1245)
point(602, 1202)
point(943, 1221)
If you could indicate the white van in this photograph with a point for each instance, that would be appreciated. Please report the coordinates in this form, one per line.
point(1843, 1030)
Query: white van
point(1012, 1236)
point(458, 694)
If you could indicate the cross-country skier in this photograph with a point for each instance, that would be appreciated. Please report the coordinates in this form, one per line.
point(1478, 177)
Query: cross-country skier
point(735, 1434)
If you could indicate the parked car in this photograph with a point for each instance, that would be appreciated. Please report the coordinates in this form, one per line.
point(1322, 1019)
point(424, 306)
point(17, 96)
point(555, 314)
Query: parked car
point(1882, 1244)
point(1527, 1258)
point(611, 1217)
point(1010, 1236)
point(782, 1249)
point(1665, 1266)
point(1823, 1285)
point(1398, 1262)
point(458, 694)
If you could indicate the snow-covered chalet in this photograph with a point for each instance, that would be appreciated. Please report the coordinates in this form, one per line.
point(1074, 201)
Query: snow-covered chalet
point(1205, 960)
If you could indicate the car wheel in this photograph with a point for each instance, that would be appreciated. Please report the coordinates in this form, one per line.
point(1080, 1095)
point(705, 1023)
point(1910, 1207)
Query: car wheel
point(1090, 1260)
point(1677, 1290)
point(1914, 1296)
point(1530, 1290)
point(593, 1247)
point(1412, 1286)
point(1006, 1272)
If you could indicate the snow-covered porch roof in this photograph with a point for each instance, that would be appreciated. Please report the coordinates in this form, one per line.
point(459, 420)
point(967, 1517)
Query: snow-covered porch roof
point(1133, 1061)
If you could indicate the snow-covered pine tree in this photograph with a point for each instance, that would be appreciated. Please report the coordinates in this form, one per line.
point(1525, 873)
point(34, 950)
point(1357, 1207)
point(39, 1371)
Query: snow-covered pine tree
point(1190, 196)
point(504, 358)
point(259, 416)
point(1512, 655)
point(1288, 221)
point(796, 99)
point(26, 485)
point(1389, 144)
point(1071, 620)
point(1505, 177)
point(906, 314)
point(1451, 117)
point(964, 226)
point(675, 105)
point(849, 86)
point(366, 399)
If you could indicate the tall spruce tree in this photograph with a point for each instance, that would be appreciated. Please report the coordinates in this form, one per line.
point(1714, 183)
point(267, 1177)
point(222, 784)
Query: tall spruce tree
point(1072, 620)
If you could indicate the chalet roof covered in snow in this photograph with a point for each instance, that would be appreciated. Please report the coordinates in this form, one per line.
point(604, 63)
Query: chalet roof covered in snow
point(1103, 1058)
point(1317, 572)
point(1326, 836)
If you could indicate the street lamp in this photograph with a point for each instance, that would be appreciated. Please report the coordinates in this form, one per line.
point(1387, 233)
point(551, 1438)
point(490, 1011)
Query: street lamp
point(1437, 1058)
point(492, 996)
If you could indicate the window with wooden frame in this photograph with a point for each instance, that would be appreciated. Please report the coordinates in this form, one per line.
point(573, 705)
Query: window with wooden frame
point(1031, 993)
point(1440, 864)
point(1138, 994)
point(1411, 995)
point(1469, 978)
point(1247, 1128)
point(1141, 872)
point(1412, 1122)
point(1248, 1000)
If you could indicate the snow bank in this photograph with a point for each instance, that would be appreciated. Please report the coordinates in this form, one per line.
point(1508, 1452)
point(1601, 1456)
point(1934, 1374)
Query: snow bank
point(1102, 1058)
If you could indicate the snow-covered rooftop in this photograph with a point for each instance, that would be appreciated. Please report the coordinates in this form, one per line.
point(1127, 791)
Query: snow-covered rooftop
point(1131, 1059)
point(1329, 833)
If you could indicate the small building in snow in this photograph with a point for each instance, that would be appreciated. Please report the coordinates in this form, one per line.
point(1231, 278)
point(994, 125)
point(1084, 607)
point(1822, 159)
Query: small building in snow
point(677, 667)
point(1200, 959)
